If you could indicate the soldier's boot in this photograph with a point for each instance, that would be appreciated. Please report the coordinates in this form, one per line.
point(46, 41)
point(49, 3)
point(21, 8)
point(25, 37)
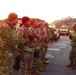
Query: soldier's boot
point(36, 73)
point(41, 69)
point(33, 73)
point(44, 65)
point(46, 59)
point(74, 65)
point(70, 65)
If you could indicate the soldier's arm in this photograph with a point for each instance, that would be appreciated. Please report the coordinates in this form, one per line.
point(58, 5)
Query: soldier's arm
point(1, 32)
point(1, 43)
point(20, 32)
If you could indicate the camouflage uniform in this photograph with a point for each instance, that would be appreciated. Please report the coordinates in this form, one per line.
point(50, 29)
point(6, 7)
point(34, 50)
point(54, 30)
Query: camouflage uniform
point(41, 56)
point(72, 56)
point(36, 45)
point(26, 52)
point(44, 44)
point(6, 56)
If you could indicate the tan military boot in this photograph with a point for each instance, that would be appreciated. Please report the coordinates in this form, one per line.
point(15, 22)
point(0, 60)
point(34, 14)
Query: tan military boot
point(33, 73)
point(36, 73)
point(74, 67)
point(46, 59)
point(69, 65)
point(45, 62)
point(44, 65)
point(41, 69)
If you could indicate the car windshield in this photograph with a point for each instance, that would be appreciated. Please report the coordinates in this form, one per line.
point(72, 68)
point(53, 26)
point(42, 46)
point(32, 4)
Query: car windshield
point(54, 30)
point(64, 28)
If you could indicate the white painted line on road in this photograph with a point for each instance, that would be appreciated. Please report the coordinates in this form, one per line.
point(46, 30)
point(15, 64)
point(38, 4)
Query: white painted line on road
point(65, 42)
point(54, 49)
point(49, 56)
point(60, 44)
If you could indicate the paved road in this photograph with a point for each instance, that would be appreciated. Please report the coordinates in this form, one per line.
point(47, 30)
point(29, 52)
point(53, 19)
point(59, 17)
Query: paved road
point(57, 64)
point(58, 54)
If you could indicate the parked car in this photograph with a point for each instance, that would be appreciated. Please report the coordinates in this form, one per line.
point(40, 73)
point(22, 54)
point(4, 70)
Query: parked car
point(56, 34)
point(64, 31)
point(51, 34)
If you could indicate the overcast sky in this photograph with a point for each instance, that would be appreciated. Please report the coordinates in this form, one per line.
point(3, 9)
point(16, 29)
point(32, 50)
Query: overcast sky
point(48, 10)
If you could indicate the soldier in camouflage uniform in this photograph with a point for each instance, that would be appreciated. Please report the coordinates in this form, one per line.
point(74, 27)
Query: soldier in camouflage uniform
point(26, 50)
point(42, 66)
point(72, 55)
point(46, 39)
point(7, 47)
point(36, 42)
point(44, 42)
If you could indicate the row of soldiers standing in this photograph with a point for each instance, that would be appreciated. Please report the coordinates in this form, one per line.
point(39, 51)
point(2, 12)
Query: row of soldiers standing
point(30, 41)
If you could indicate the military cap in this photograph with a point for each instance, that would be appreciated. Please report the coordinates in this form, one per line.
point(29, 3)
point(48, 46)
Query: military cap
point(12, 16)
point(25, 19)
